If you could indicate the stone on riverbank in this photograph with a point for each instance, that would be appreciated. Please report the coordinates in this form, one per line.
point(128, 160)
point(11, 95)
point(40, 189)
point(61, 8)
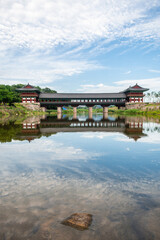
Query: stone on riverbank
point(80, 221)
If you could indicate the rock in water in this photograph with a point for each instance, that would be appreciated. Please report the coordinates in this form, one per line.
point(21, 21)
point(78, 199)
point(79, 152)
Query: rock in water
point(80, 221)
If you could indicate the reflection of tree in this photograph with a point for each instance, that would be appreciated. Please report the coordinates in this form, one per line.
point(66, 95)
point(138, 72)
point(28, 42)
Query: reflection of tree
point(155, 129)
point(8, 132)
point(34, 128)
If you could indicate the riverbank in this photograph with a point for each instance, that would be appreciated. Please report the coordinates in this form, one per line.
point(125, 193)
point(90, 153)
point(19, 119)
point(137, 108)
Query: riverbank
point(132, 109)
point(17, 109)
point(142, 109)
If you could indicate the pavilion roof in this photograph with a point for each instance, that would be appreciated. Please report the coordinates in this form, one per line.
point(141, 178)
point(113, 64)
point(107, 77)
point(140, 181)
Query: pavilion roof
point(28, 87)
point(136, 88)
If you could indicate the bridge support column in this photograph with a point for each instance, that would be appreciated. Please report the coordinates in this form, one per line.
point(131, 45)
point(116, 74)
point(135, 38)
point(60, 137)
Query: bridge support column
point(59, 113)
point(59, 110)
point(74, 112)
point(105, 112)
point(90, 112)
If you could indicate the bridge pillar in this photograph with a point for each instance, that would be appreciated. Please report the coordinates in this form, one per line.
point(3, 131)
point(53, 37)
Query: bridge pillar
point(74, 112)
point(59, 110)
point(59, 116)
point(59, 113)
point(105, 112)
point(90, 112)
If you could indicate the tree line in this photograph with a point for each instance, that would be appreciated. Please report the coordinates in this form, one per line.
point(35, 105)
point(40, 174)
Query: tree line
point(8, 93)
point(152, 96)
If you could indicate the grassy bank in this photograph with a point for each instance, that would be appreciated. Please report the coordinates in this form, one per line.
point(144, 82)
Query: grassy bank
point(17, 110)
point(133, 112)
point(20, 110)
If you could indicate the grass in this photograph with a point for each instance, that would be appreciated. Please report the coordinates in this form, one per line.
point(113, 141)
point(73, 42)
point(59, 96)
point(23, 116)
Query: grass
point(17, 110)
point(133, 112)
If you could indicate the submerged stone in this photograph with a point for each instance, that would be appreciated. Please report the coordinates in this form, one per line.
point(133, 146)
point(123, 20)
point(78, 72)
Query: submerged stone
point(80, 221)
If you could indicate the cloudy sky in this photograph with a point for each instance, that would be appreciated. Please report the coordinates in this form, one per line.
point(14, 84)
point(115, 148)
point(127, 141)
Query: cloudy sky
point(80, 46)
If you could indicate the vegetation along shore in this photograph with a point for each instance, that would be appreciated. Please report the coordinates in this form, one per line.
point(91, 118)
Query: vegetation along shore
point(147, 109)
point(144, 109)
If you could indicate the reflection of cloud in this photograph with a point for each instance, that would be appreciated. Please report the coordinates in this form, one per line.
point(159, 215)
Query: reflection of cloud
point(23, 155)
point(151, 130)
point(123, 139)
point(154, 150)
point(37, 188)
point(55, 151)
point(99, 135)
point(30, 200)
point(151, 138)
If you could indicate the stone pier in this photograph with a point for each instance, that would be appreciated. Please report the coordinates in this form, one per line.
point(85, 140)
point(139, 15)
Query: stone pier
point(74, 112)
point(105, 112)
point(59, 110)
point(59, 113)
point(59, 116)
point(90, 112)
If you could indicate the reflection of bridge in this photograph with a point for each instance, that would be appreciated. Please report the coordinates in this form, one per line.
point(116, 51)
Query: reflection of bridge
point(52, 125)
point(81, 126)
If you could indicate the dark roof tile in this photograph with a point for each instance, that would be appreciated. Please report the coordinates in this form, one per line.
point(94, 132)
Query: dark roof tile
point(82, 95)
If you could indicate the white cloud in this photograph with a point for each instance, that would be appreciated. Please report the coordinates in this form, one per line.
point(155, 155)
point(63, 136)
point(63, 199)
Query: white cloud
point(40, 23)
point(145, 30)
point(154, 71)
point(98, 88)
point(63, 29)
point(154, 150)
point(151, 83)
point(38, 69)
point(128, 72)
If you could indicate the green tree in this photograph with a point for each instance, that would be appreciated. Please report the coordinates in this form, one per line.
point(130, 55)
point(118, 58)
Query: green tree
point(8, 94)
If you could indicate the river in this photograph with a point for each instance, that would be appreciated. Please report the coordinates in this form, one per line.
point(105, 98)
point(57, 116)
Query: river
point(51, 168)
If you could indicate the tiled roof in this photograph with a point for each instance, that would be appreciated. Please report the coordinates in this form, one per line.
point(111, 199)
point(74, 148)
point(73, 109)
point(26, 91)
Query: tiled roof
point(82, 95)
point(136, 88)
point(28, 88)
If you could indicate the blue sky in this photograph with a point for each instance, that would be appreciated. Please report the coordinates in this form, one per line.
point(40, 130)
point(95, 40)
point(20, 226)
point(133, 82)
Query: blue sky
point(80, 46)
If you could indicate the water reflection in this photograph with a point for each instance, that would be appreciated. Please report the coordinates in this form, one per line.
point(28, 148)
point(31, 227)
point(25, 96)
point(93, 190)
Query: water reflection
point(36, 127)
point(51, 168)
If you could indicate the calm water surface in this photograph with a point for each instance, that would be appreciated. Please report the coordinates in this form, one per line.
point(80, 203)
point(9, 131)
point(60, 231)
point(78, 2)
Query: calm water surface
point(51, 168)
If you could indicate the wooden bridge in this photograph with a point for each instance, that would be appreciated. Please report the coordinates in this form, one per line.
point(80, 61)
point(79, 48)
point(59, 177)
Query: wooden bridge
point(30, 94)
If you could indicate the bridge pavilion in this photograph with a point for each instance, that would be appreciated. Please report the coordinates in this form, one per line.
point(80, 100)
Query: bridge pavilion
point(30, 94)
